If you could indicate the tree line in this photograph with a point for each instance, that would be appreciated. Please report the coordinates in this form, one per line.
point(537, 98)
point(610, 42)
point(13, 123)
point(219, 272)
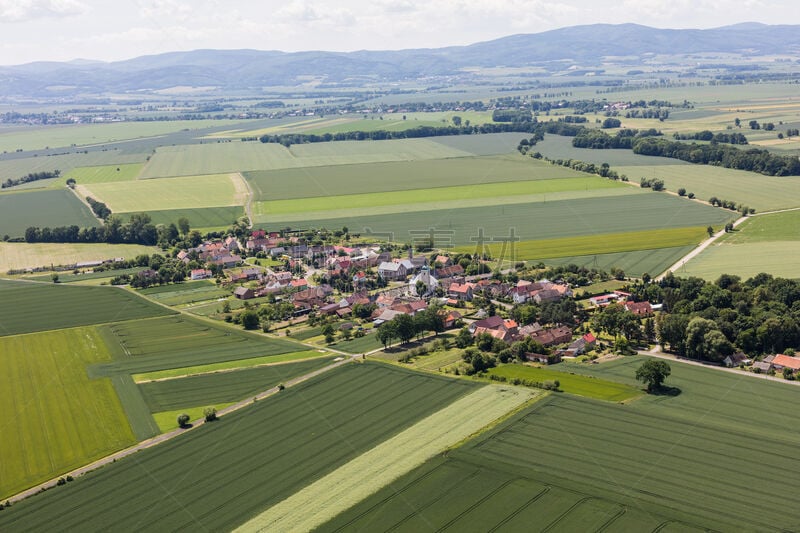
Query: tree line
point(139, 229)
point(600, 140)
point(705, 135)
point(754, 160)
point(33, 176)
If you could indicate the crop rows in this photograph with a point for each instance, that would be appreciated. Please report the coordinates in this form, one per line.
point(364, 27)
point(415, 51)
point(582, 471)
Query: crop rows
point(28, 307)
point(223, 473)
point(44, 208)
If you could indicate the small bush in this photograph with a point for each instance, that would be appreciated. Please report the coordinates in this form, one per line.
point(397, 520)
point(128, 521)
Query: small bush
point(183, 419)
point(210, 414)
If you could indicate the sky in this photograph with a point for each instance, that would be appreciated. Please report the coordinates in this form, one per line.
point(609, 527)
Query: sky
point(108, 30)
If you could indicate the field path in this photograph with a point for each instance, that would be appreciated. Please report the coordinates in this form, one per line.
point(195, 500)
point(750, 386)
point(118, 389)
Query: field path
point(149, 443)
point(317, 503)
point(81, 192)
point(695, 252)
point(243, 195)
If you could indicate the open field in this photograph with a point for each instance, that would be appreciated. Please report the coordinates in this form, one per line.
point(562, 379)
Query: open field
point(18, 167)
point(221, 387)
point(29, 306)
point(445, 197)
point(185, 293)
point(202, 219)
point(368, 473)
point(85, 275)
point(43, 209)
point(760, 192)
point(490, 144)
point(217, 158)
point(588, 386)
point(180, 341)
point(667, 463)
point(599, 244)
point(544, 220)
point(397, 176)
point(168, 420)
point(216, 474)
point(190, 192)
point(20, 255)
point(56, 417)
point(230, 365)
point(632, 263)
point(38, 137)
point(765, 243)
point(103, 174)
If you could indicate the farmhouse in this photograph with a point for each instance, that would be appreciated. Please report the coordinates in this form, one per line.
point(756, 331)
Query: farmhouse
point(200, 273)
point(736, 359)
point(553, 336)
point(641, 309)
point(244, 293)
point(461, 292)
point(449, 271)
point(784, 361)
point(391, 271)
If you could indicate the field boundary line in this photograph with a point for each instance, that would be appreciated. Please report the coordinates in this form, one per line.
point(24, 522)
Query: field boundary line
point(389, 460)
point(164, 437)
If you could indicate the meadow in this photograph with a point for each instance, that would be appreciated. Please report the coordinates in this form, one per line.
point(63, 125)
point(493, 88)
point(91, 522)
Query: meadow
point(442, 198)
point(191, 192)
point(399, 176)
point(661, 463)
point(238, 156)
point(543, 220)
point(216, 474)
point(22, 210)
point(600, 244)
point(57, 418)
point(101, 174)
point(185, 293)
point(764, 243)
point(19, 255)
point(30, 306)
point(762, 193)
point(587, 386)
point(222, 387)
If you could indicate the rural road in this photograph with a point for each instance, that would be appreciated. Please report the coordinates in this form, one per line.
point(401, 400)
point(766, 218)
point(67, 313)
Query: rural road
point(149, 443)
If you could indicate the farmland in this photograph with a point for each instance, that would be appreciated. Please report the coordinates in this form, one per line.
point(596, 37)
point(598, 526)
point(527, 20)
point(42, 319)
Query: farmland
point(17, 255)
point(764, 243)
point(568, 463)
point(185, 293)
point(21, 210)
point(222, 387)
point(760, 192)
point(202, 219)
point(66, 162)
point(28, 307)
point(543, 220)
point(218, 158)
point(190, 192)
point(632, 263)
point(180, 341)
point(399, 176)
point(602, 244)
point(444, 197)
point(57, 418)
point(282, 439)
point(102, 174)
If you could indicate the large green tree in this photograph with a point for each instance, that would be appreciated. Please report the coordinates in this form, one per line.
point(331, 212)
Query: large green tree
point(653, 372)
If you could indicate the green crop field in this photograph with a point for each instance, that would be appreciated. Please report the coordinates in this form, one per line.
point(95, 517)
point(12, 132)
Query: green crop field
point(185, 293)
point(478, 194)
point(35, 138)
point(230, 365)
point(224, 473)
point(103, 174)
point(87, 275)
point(26, 307)
point(599, 244)
point(19, 255)
point(588, 386)
point(397, 176)
point(203, 219)
point(760, 192)
point(671, 463)
point(764, 243)
point(56, 418)
point(221, 387)
point(18, 167)
point(543, 220)
point(635, 263)
point(491, 144)
point(217, 158)
point(190, 192)
point(179, 341)
point(43, 209)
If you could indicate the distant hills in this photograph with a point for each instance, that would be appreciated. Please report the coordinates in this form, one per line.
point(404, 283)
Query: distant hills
point(246, 69)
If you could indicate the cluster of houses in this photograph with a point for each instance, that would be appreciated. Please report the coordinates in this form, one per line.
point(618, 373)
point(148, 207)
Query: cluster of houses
point(641, 309)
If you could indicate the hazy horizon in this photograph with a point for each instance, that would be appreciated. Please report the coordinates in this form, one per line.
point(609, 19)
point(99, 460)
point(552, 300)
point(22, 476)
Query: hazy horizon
point(100, 31)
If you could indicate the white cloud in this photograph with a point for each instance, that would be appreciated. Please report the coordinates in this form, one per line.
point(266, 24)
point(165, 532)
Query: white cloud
point(25, 10)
